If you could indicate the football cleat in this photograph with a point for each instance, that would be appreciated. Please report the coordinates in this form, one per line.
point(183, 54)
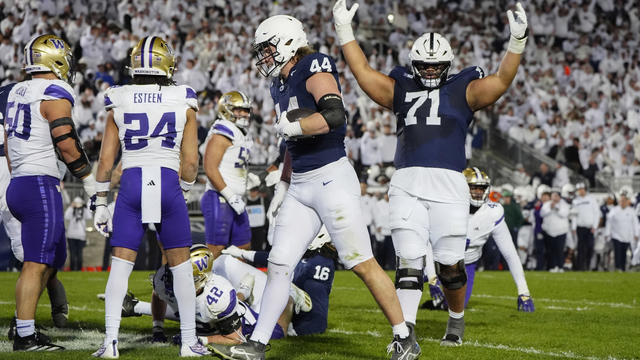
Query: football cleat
point(12, 329)
point(194, 350)
point(158, 335)
point(451, 340)
point(525, 303)
point(246, 287)
point(454, 333)
point(108, 351)
point(250, 350)
point(301, 300)
point(34, 342)
point(404, 349)
point(128, 304)
point(12, 333)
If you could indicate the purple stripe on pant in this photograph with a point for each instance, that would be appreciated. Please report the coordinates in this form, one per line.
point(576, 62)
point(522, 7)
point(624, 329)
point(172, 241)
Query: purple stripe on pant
point(36, 202)
point(222, 226)
point(471, 274)
point(174, 229)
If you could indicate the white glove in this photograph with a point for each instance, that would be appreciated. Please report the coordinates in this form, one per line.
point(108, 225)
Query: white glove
point(234, 200)
point(286, 128)
point(278, 197)
point(518, 28)
point(234, 251)
point(89, 185)
point(186, 186)
point(102, 217)
point(272, 178)
point(342, 21)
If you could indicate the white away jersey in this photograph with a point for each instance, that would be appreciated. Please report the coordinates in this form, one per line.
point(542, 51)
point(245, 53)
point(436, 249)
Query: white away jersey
point(29, 142)
point(235, 160)
point(150, 120)
point(488, 220)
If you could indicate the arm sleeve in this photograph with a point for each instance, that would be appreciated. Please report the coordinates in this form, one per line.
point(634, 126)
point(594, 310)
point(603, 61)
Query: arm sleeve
point(504, 242)
point(260, 259)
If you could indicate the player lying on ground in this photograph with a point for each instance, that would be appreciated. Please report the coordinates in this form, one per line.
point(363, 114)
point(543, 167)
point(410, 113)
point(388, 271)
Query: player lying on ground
point(487, 219)
point(226, 311)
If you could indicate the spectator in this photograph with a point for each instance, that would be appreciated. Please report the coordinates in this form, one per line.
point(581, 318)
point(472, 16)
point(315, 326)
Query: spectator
point(555, 223)
point(543, 176)
point(76, 215)
point(622, 228)
point(587, 218)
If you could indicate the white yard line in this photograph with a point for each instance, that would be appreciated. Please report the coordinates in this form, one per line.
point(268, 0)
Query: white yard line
point(526, 350)
point(74, 308)
point(562, 301)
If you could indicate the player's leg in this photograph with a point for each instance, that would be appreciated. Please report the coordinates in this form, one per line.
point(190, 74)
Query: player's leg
point(174, 233)
point(296, 225)
point(337, 202)
point(37, 204)
point(409, 224)
point(125, 240)
point(235, 271)
point(241, 231)
point(471, 275)
point(218, 221)
point(448, 239)
point(58, 300)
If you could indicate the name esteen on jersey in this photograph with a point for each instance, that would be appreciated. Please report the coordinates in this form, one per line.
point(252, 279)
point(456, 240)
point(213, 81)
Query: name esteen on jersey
point(147, 98)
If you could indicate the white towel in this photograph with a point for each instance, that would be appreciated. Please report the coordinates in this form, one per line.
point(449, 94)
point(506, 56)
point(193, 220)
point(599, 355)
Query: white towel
point(151, 197)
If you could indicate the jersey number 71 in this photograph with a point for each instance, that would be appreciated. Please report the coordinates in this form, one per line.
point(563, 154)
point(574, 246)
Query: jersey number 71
point(420, 97)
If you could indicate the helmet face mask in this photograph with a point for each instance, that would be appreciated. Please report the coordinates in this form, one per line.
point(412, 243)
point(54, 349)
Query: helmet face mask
point(479, 185)
point(235, 106)
point(49, 53)
point(276, 41)
point(431, 57)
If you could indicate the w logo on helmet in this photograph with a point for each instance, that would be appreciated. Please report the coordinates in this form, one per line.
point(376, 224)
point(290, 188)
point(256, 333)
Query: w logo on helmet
point(202, 263)
point(58, 43)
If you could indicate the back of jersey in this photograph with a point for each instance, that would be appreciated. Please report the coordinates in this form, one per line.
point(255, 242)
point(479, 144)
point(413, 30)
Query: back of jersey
point(150, 121)
point(30, 148)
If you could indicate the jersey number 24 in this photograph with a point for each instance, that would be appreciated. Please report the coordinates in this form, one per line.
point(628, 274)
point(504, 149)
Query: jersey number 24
point(168, 119)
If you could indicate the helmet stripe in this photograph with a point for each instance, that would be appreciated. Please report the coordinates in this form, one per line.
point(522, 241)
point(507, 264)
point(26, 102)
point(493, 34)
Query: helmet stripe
point(431, 35)
point(142, 52)
point(29, 53)
point(153, 39)
point(478, 173)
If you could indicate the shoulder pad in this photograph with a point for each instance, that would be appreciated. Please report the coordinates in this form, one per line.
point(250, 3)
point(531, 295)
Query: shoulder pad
point(191, 97)
point(313, 64)
point(495, 211)
point(468, 74)
point(400, 72)
point(224, 127)
point(58, 89)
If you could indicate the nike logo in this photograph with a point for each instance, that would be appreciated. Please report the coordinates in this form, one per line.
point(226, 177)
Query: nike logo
point(151, 183)
point(325, 183)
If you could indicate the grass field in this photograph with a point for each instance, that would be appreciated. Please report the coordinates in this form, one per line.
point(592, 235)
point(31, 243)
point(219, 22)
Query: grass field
point(578, 316)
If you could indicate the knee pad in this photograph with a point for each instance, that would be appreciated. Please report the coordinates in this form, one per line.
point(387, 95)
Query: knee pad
point(411, 277)
point(452, 277)
point(280, 270)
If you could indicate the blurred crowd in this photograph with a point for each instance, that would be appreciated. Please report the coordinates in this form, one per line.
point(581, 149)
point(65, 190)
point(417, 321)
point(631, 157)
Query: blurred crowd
point(576, 96)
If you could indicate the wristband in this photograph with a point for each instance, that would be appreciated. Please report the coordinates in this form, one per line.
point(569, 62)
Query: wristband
point(516, 46)
point(101, 200)
point(102, 186)
point(185, 185)
point(227, 193)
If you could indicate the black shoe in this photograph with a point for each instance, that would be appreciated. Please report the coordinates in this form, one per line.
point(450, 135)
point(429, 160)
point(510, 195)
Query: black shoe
point(12, 329)
point(34, 342)
point(129, 304)
point(158, 336)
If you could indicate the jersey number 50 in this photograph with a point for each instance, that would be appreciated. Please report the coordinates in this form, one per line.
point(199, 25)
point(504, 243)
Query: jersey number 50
point(12, 122)
point(168, 119)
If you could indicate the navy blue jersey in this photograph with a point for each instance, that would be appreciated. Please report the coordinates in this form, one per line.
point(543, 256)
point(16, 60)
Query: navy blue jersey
point(432, 124)
point(315, 276)
point(313, 152)
point(4, 95)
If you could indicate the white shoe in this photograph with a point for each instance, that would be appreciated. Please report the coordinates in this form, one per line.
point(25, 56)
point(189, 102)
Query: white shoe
point(194, 350)
point(246, 287)
point(108, 351)
point(301, 300)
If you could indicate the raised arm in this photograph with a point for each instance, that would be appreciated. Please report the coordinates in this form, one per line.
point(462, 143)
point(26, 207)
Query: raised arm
point(378, 86)
point(484, 92)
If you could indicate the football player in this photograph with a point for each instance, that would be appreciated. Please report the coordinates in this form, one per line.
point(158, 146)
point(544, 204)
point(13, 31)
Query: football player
point(38, 126)
point(487, 219)
point(227, 299)
point(153, 122)
point(429, 197)
point(324, 187)
point(225, 161)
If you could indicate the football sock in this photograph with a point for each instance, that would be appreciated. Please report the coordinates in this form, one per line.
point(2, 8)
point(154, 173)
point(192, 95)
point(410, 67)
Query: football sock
point(401, 330)
point(114, 296)
point(142, 308)
point(57, 294)
point(25, 327)
point(185, 292)
point(455, 326)
point(409, 301)
point(274, 300)
point(158, 324)
point(456, 315)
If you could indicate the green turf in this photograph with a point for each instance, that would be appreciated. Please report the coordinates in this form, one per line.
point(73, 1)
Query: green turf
point(578, 315)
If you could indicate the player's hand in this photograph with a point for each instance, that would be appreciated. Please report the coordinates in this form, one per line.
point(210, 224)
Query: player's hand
point(286, 128)
point(518, 28)
point(236, 203)
point(234, 251)
point(525, 303)
point(272, 178)
point(518, 22)
point(278, 196)
point(436, 293)
point(102, 217)
point(342, 18)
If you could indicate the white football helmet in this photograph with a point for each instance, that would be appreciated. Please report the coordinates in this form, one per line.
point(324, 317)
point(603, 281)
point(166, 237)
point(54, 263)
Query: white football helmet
point(276, 41)
point(431, 58)
point(568, 191)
